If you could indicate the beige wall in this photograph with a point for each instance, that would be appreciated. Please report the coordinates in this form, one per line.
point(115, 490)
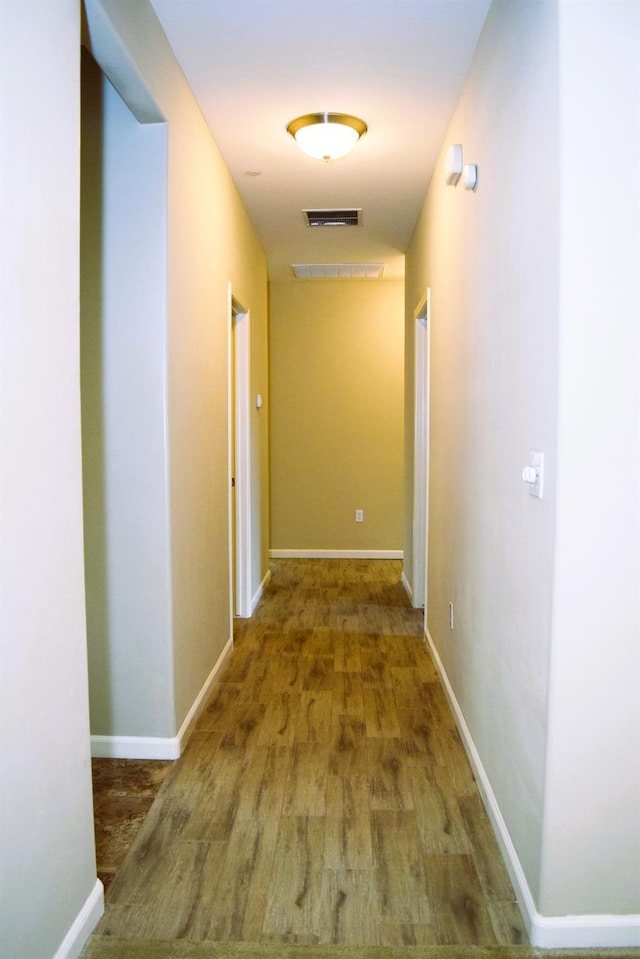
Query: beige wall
point(336, 360)
point(535, 346)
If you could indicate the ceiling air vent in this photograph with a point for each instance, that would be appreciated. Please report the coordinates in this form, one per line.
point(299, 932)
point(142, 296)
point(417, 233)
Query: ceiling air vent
point(332, 217)
point(337, 271)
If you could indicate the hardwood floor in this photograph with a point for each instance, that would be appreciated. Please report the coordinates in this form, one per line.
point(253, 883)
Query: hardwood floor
point(324, 795)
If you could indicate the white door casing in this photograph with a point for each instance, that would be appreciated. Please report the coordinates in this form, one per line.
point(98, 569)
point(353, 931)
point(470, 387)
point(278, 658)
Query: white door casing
point(240, 463)
point(421, 452)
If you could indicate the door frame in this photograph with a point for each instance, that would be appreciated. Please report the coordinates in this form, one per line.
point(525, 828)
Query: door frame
point(422, 361)
point(239, 437)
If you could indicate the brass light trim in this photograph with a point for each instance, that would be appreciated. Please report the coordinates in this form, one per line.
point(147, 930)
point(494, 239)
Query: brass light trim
point(343, 118)
point(327, 118)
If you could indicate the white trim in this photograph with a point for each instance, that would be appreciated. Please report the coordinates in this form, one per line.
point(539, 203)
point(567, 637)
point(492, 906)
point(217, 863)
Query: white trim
point(420, 535)
point(240, 329)
point(202, 697)
point(83, 925)
point(509, 854)
point(585, 932)
point(545, 932)
point(407, 587)
point(158, 747)
point(230, 464)
point(260, 590)
point(135, 747)
point(336, 553)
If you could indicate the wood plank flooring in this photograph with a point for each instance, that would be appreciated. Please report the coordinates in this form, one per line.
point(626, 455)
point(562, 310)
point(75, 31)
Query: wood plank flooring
point(324, 795)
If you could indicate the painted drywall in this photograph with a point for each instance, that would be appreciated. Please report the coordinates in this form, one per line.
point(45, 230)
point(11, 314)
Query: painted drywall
point(534, 335)
point(48, 878)
point(591, 853)
point(491, 261)
point(210, 242)
point(123, 363)
point(336, 357)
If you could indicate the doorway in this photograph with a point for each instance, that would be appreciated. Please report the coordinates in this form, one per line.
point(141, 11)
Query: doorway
point(421, 452)
point(239, 460)
point(123, 399)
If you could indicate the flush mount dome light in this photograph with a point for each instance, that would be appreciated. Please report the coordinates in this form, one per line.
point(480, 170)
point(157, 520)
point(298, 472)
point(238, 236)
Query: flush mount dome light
point(327, 136)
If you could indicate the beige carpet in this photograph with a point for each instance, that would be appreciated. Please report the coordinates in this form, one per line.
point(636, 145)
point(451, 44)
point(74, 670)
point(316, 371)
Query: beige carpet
point(109, 947)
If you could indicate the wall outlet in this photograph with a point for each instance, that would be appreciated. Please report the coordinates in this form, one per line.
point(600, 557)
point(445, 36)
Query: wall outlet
point(359, 516)
point(450, 615)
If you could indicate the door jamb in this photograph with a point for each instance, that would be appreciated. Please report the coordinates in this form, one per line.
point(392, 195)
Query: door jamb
point(239, 315)
point(422, 331)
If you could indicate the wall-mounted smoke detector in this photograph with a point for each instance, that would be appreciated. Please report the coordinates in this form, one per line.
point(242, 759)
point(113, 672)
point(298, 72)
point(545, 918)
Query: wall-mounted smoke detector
point(470, 176)
point(337, 271)
point(453, 164)
point(332, 217)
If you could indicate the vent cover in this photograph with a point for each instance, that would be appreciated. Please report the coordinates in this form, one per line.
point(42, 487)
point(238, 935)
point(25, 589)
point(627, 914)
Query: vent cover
point(332, 217)
point(337, 271)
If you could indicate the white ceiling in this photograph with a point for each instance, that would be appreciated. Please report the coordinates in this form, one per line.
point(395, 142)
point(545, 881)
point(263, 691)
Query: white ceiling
point(254, 65)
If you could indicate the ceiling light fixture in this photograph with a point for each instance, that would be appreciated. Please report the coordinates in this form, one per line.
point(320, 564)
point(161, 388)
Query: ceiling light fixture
point(327, 136)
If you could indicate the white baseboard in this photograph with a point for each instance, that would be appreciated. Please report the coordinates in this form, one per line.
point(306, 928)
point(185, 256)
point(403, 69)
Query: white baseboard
point(260, 590)
point(407, 587)
point(203, 695)
point(336, 553)
point(135, 747)
point(585, 932)
point(83, 925)
point(545, 932)
point(158, 747)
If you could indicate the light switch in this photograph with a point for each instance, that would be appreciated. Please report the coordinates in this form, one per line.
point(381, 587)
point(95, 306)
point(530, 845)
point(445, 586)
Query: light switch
point(533, 474)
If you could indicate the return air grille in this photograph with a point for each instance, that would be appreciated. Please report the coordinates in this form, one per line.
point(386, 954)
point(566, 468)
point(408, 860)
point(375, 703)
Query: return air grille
point(332, 217)
point(337, 271)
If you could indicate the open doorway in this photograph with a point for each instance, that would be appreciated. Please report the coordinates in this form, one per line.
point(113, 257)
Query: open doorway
point(125, 502)
point(239, 459)
point(421, 453)
point(123, 400)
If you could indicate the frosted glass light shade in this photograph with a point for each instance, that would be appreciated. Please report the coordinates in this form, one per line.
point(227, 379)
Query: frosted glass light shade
point(327, 136)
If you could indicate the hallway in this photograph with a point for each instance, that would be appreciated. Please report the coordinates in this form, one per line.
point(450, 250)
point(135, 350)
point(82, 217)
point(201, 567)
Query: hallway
point(324, 796)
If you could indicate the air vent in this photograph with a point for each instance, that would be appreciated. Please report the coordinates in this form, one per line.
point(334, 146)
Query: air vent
point(332, 217)
point(337, 271)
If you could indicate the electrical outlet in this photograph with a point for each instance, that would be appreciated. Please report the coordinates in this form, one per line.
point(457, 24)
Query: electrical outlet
point(450, 615)
point(359, 516)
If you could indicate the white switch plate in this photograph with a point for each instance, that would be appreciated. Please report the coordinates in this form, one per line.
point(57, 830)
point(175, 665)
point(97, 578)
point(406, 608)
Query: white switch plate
point(536, 463)
point(359, 516)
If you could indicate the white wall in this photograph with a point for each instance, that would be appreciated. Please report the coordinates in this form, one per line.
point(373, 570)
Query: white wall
point(46, 827)
point(123, 341)
point(591, 856)
point(534, 296)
